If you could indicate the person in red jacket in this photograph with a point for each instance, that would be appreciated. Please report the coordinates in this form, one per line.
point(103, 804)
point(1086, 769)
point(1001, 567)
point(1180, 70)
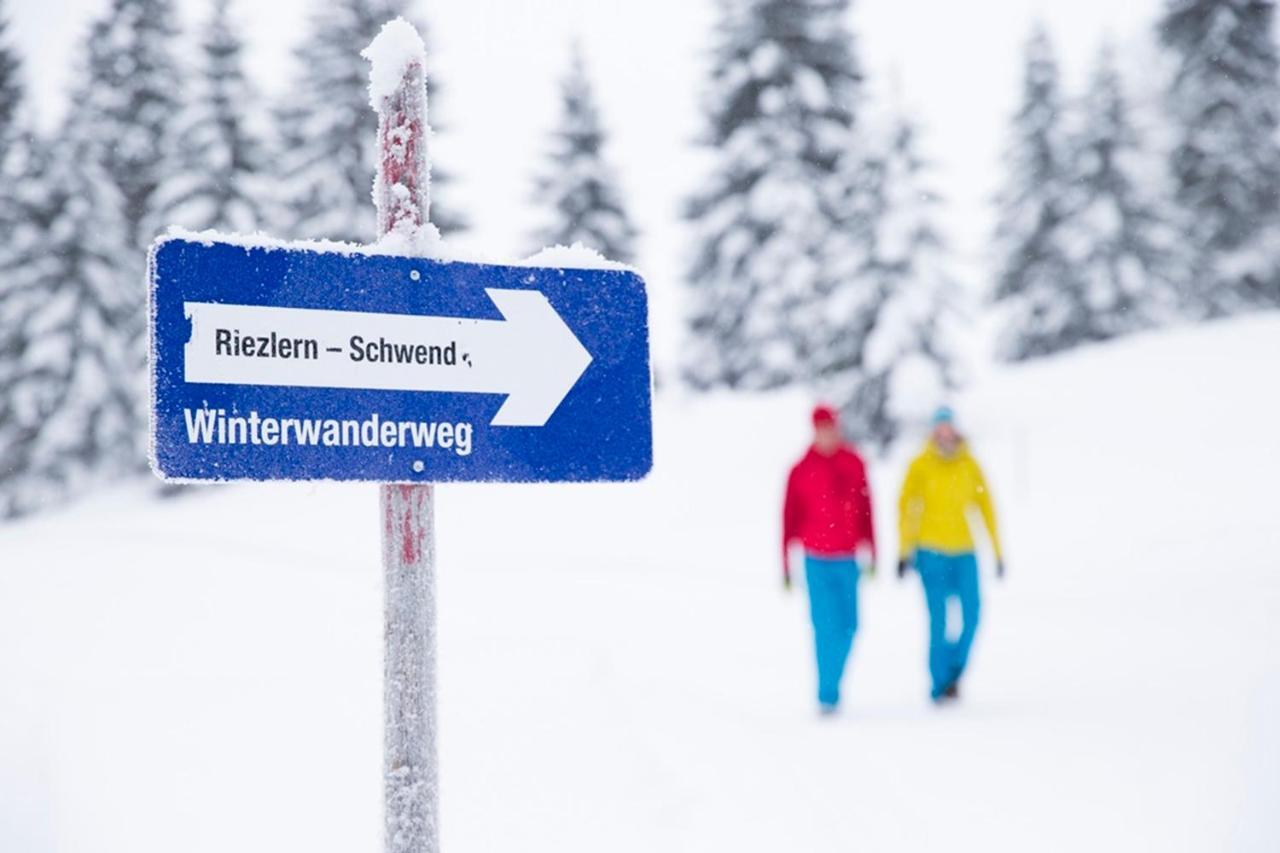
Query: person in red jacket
point(828, 511)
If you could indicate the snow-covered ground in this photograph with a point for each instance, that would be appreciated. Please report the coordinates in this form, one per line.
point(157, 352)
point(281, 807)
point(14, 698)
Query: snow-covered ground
point(622, 671)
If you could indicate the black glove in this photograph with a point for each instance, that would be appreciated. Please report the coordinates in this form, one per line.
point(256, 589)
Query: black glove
point(903, 565)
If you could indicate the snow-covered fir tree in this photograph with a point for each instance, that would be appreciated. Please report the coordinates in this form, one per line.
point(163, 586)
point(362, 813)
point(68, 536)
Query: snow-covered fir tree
point(70, 412)
point(128, 102)
point(765, 282)
point(10, 85)
point(121, 117)
point(19, 153)
point(1035, 273)
point(898, 355)
point(328, 132)
point(218, 156)
point(1122, 248)
point(14, 136)
point(1224, 100)
point(20, 238)
point(11, 133)
point(577, 188)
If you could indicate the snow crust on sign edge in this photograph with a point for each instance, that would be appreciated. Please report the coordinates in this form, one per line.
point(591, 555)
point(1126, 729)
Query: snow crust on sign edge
point(396, 46)
point(577, 256)
point(428, 245)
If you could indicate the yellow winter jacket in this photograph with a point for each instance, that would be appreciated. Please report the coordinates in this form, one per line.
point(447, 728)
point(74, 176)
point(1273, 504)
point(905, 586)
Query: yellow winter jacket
point(936, 497)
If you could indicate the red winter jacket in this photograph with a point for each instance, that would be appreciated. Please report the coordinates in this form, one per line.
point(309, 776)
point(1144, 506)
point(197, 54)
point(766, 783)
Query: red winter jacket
point(828, 505)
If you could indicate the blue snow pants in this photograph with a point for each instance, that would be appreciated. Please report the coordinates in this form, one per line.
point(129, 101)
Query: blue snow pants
point(948, 576)
point(833, 605)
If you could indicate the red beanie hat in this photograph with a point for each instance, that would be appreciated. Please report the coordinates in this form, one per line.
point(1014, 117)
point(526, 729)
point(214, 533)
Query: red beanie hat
point(824, 415)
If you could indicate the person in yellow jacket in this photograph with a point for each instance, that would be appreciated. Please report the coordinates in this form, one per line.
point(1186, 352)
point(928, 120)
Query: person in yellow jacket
point(944, 485)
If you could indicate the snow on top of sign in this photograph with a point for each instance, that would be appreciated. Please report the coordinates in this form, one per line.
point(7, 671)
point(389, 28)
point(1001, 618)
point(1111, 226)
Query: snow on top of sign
point(393, 49)
point(259, 240)
point(426, 242)
point(576, 256)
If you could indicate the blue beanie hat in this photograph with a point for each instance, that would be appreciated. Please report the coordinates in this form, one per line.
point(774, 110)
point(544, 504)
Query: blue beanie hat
point(944, 415)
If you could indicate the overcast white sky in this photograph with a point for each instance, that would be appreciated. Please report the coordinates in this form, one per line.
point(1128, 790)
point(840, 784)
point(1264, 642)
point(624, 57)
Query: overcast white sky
point(957, 63)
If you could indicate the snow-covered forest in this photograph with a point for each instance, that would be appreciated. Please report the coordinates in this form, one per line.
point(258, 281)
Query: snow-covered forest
point(817, 218)
point(816, 247)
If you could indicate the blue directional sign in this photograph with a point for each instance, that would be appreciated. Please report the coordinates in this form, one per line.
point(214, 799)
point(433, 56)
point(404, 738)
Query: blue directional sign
point(284, 363)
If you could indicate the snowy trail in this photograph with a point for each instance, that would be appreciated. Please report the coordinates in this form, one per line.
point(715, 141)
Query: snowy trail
point(621, 671)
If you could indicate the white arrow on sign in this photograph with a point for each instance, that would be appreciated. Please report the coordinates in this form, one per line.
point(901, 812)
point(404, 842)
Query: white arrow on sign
point(531, 355)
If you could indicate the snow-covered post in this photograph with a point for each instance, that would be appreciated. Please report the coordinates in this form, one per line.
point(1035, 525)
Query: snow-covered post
point(397, 91)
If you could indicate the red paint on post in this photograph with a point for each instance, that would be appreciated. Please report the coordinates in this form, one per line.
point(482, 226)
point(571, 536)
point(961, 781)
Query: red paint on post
point(403, 174)
point(411, 531)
